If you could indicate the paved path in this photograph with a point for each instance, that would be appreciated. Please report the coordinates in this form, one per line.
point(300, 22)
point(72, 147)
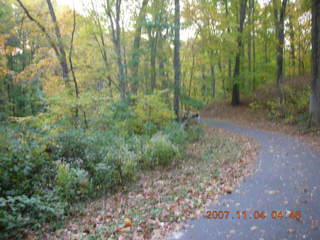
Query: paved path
point(287, 178)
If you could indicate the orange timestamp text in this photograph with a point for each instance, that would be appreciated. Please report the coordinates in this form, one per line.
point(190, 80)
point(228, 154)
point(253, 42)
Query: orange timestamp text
point(253, 215)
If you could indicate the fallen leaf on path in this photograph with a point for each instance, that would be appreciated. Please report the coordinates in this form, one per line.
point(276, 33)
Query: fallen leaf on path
point(127, 222)
point(253, 228)
point(292, 230)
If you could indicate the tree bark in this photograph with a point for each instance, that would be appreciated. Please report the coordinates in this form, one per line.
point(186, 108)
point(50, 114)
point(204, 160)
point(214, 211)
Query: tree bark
point(213, 80)
point(236, 76)
point(315, 83)
point(114, 19)
point(279, 15)
point(229, 58)
point(292, 46)
point(63, 56)
point(250, 44)
point(99, 37)
point(153, 56)
point(254, 45)
point(135, 59)
point(176, 60)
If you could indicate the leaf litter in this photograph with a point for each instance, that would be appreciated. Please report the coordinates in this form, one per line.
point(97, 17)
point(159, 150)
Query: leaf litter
point(162, 200)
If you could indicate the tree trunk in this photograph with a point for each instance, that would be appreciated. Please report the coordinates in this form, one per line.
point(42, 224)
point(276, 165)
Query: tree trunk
point(236, 86)
point(213, 81)
point(315, 84)
point(229, 58)
point(279, 15)
point(292, 46)
point(76, 88)
point(135, 59)
point(250, 44)
point(114, 19)
point(192, 72)
point(63, 56)
point(254, 84)
point(153, 56)
point(176, 61)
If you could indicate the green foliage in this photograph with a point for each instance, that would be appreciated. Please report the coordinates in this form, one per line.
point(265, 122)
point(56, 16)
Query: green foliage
point(24, 165)
point(118, 167)
point(192, 103)
point(176, 134)
point(160, 151)
point(292, 109)
point(152, 109)
point(195, 133)
point(72, 183)
point(255, 106)
point(70, 145)
point(21, 213)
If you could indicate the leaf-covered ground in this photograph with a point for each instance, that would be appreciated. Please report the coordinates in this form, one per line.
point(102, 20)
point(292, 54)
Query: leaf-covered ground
point(243, 115)
point(163, 199)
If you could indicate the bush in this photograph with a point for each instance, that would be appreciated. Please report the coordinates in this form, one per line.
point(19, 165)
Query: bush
point(195, 133)
point(255, 106)
point(70, 146)
point(118, 167)
point(72, 183)
point(21, 213)
point(25, 168)
point(152, 109)
point(160, 152)
point(176, 133)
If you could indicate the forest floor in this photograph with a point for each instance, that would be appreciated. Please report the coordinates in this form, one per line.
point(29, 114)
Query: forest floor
point(162, 200)
point(244, 116)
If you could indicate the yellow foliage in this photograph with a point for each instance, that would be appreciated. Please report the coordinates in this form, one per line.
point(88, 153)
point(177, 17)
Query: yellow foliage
point(153, 108)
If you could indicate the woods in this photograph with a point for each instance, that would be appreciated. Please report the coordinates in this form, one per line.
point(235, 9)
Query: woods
point(95, 93)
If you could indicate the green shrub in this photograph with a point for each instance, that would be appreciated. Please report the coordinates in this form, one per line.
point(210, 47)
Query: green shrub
point(25, 167)
point(192, 103)
point(195, 132)
point(118, 167)
point(255, 106)
point(176, 133)
point(160, 152)
point(152, 109)
point(72, 183)
point(21, 213)
point(70, 145)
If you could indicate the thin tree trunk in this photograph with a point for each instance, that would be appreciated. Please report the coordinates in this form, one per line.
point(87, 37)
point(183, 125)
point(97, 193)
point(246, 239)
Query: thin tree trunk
point(300, 67)
point(229, 58)
point(315, 84)
point(176, 61)
point(192, 72)
point(77, 92)
point(279, 23)
point(71, 63)
point(250, 43)
point(236, 86)
point(135, 59)
point(213, 80)
point(103, 50)
point(292, 46)
point(254, 45)
point(153, 56)
point(114, 19)
point(63, 56)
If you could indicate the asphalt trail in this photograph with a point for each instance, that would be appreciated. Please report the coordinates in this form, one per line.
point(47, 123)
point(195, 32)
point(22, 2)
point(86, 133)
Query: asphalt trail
point(287, 179)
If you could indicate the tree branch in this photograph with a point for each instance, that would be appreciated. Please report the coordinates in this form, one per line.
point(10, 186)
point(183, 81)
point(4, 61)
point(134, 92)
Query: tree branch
point(42, 28)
